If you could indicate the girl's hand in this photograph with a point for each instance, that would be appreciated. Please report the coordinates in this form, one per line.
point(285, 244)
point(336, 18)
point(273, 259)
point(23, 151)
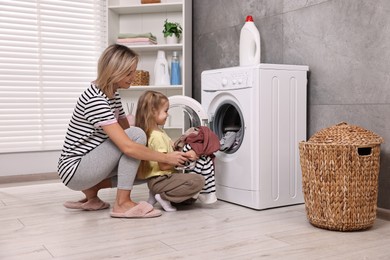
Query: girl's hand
point(191, 155)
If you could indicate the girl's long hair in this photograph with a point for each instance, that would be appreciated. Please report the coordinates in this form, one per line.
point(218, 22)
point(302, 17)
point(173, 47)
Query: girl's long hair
point(149, 103)
point(114, 64)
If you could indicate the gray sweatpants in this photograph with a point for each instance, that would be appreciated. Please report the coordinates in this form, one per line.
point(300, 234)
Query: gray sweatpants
point(107, 161)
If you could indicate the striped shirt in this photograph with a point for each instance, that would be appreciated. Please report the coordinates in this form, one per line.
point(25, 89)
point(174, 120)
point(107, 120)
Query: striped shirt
point(93, 110)
point(205, 167)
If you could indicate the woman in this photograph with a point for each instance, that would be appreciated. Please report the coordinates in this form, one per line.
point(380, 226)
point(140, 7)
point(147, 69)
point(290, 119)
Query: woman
point(100, 149)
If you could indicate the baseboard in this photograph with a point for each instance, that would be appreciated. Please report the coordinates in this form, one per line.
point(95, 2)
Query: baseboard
point(383, 213)
point(29, 178)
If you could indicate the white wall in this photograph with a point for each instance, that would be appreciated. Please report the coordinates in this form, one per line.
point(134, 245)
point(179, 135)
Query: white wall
point(28, 163)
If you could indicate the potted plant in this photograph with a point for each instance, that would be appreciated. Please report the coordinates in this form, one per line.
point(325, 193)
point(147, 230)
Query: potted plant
point(172, 31)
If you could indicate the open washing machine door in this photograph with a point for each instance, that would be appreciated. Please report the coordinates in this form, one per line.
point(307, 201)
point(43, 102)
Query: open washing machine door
point(227, 121)
point(188, 110)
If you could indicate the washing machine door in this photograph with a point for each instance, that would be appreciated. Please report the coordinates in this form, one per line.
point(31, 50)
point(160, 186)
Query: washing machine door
point(227, 122)
point(187, 112)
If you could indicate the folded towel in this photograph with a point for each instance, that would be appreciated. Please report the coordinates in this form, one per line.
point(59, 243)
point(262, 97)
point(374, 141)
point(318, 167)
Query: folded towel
point(137, 35)
point(135, 40)
point(136, 43)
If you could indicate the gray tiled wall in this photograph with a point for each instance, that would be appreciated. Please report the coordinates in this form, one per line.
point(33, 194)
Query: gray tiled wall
point(346, 44)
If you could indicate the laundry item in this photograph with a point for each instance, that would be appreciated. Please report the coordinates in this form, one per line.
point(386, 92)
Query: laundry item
point(189, 165)
point(129, 39)
point(238, 140)
point(228, 140)
point(204, 143)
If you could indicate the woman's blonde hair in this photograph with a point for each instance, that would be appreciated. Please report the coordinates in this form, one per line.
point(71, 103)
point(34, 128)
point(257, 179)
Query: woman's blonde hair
point(149, 103)
point(114, 65)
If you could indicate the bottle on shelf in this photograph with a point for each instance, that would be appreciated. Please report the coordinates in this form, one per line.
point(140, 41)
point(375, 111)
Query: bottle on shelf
point(161, 72)
point(175, 69)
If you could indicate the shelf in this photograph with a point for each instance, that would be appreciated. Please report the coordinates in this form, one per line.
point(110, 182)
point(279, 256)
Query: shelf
point(152, 87)
point(152, 48)
point(126, 16)
point(176, 128)
point(147, 8)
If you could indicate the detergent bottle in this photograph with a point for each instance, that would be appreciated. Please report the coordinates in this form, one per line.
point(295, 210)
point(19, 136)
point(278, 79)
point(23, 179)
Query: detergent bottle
point(161, 72)
point(250, 48)
point(175, 69)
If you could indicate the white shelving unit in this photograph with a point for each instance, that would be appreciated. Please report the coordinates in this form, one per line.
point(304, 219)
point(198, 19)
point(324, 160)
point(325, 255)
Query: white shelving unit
point(130, 16)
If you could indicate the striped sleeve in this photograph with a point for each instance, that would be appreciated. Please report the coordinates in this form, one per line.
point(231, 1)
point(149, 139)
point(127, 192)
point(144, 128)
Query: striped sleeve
point(98, 112)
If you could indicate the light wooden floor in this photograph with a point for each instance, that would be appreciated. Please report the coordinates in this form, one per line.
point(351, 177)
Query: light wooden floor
point(35, 225)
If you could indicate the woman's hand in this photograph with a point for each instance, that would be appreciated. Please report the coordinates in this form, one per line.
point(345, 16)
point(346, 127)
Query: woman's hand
point(176, 158)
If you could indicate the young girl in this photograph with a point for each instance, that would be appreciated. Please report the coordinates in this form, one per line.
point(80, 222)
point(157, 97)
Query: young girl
point(164, 182)
point(100, 149)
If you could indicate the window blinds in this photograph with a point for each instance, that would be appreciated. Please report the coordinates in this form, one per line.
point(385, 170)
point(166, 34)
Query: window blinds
point(48, 56)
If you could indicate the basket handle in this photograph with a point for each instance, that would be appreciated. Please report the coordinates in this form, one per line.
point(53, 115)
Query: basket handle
point(342, 123)
point(364, 151)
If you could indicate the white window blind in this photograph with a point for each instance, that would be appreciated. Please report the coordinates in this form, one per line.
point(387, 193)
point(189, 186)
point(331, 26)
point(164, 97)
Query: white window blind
point(48, 56)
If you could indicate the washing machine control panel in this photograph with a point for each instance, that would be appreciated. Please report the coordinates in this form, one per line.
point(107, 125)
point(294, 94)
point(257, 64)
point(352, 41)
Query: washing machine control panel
point(226, 79)
point(235, 79)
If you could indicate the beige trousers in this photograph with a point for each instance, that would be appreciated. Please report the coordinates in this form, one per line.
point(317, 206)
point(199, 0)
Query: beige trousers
point(176, 187)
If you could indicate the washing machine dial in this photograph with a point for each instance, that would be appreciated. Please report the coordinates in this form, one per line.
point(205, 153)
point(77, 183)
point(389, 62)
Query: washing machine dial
point(224, 82)
point(234, 81)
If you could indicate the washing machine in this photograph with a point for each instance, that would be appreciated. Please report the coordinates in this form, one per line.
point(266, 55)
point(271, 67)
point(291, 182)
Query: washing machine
point(259, 114)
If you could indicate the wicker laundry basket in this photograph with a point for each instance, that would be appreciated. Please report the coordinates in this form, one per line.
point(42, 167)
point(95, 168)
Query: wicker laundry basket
point(141, 78)
point(340, 168)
